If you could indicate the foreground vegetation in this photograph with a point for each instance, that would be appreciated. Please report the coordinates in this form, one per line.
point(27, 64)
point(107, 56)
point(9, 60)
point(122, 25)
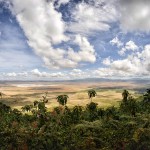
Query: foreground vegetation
point(126, 127)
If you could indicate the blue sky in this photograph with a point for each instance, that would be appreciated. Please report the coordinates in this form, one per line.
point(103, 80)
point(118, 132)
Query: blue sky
point(69, 39)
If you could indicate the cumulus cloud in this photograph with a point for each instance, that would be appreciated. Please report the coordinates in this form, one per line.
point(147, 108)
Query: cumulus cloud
point(103, 72)
point(107, 61)
point(43, 26)
point(134, 15)
point(117, 42)
point(33, 75)
point(145, 56)
point(123, 65)
point(86, 52)
point(29, 14)
point(112, 73)
point(99, 14)
point(90, 17)
point(45, 29)
point(77, 73)
point(37, 73)
point(136, 63)
point(13, 74)
point(47, 33)
point(122, 51)
point(129, 46)
point(23, 74)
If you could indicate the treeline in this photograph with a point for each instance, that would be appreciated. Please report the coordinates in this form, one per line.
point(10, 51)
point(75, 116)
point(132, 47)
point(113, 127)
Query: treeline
point(126, 127)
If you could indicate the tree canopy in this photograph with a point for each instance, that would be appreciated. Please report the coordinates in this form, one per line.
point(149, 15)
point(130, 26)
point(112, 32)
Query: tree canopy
point(123, 127)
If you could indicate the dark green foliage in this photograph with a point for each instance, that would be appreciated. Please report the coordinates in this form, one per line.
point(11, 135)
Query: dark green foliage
point(4, 108)
point(76, 114)
point(130, 106)
point(92, 106)
point(1, 95)
point(62, 99)
point(35, 103)
point(91, 111)
point(27, 108)
point(101, 112)
point(147, 96)
point(126, 127)
point(125, 95)
point(110, 112)
point(91, 93)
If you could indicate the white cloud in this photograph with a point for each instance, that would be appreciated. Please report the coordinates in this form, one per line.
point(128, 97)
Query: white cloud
point(111, 73)
point(136, 63)
point(62, 2)
point(103, 72)
point(13, 74)
point(122, 51)
point(145, 56)
point(43, 27)
point(23, 74)
point(79, 74)
point(77, 70)
point(86, 52)
point(117, 42)
point(46, 32)
point(98, 14)
point(32, 75)
point(44, 35)
point(129, 46)
point(123, 65)
point(76, 73)
point(146, 52)
point(134, 15)
point(29, 14)
point(88, 18)
point(37, 73)
point(107, 61)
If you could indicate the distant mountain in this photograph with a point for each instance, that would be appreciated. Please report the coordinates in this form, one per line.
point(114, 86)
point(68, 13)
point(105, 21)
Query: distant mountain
point(137, 80)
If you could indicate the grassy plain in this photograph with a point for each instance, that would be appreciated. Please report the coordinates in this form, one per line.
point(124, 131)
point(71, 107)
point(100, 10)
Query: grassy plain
point(18, 94)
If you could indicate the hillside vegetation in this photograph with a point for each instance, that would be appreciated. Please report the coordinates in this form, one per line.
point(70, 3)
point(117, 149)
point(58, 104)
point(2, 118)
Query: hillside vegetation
point(125, 127)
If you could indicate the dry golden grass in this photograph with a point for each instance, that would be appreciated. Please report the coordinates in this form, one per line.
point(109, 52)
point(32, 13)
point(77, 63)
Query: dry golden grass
point(20, 94)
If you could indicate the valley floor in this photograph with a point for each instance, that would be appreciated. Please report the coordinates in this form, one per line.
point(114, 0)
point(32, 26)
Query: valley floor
point(18, 94)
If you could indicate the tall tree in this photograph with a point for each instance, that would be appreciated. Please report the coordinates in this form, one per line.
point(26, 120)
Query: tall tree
point(91, 94)
point(62, 99)
point(125, 95)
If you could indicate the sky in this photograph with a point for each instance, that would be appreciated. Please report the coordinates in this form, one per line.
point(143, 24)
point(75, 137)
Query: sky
point(74, 39)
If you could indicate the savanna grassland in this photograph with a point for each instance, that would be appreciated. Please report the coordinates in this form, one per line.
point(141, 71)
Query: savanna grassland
point(75, 116)
point(18, 94)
